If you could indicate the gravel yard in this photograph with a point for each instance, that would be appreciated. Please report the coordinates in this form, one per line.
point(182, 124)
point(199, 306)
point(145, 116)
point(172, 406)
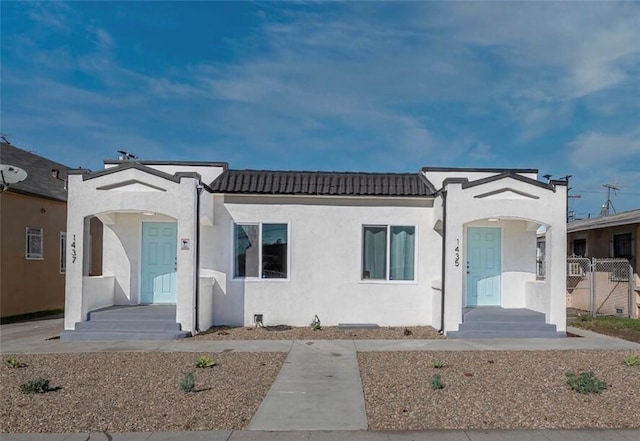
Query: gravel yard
point(125, 391)
point(496, 389)
point(284, 332)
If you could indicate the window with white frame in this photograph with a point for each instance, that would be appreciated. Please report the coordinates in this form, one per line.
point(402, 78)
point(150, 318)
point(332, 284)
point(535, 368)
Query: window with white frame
point(34, 243)
point(388, 252)
point(63, 252)
point(260, 250)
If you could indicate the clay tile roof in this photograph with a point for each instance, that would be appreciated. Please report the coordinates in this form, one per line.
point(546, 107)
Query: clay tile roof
point(322, 183)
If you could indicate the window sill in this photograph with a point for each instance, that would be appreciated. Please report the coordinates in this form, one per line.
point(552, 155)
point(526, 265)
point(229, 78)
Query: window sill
point(387, 282)
point(259, 279)
point(34, 258)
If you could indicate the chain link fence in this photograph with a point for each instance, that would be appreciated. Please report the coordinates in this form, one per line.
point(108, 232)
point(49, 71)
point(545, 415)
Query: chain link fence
point(601, 286)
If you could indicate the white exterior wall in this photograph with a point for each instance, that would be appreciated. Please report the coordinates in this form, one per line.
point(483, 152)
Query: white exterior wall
point(325, 249)
point(208, 173)
point(544, 206)
point(120, 208)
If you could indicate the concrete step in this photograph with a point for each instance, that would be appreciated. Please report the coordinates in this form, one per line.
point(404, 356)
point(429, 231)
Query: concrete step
point(470, 335)
point(507, 327)
point(99, 335)
point(132, 313)
point(503, 316)
point(128, 325)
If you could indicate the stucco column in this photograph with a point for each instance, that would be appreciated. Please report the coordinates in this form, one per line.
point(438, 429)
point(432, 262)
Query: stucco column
point(556, 274)
point(454, 258)
point(75, 258)
point(186, 255)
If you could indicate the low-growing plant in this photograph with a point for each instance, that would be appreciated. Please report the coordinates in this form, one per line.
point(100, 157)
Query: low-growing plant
point(188, 383)
point(315, 323)
point(13, 363)
point(204, 361)
point(631, 360)
point(37, 386)
point(437, 364)
point(585, 383)
point(436, 382)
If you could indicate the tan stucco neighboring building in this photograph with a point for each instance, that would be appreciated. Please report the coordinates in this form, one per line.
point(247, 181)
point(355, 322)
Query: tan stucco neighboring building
point(616, 236)
point(33, 217)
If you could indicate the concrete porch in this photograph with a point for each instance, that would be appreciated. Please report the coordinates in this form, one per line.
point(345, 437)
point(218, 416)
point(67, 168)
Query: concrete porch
point(137, 322)
point(497, 322)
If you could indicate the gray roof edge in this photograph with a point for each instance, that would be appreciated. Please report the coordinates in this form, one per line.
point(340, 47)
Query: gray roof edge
point(126, 165)
point(32, 193)
point(480, 169)
point(224, 165)
point(321, 172)
point(511, 175)
point(614, 220)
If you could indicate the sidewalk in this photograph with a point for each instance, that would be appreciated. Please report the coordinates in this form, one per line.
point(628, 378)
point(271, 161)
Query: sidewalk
point(435, 435)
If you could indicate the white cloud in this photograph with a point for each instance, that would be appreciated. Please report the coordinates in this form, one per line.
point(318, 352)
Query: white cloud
point(594, 149)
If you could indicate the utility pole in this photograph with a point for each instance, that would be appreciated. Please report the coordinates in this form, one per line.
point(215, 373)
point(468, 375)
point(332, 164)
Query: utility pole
point(609, 204)
point(572, 214)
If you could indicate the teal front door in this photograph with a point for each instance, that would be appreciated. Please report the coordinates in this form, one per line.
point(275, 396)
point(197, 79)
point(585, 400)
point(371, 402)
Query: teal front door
point(158, 262)
point(483, 266)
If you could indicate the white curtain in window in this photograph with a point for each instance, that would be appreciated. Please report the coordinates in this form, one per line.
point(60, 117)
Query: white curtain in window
point(375, 253)
point(402, 253)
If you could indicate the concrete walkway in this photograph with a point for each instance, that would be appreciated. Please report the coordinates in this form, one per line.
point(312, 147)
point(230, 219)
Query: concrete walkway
point(40, 337)
point(318, 388)
point(435, 435)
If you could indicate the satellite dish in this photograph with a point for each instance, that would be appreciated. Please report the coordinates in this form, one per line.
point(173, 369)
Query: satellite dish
point(11, 174)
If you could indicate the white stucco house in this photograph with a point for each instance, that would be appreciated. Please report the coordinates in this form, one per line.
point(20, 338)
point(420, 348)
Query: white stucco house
point(227, 247)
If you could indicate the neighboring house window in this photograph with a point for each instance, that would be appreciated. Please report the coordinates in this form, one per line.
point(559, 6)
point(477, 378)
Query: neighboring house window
point(622, 244)
point(388, 252)
point(34, 243)
point(580, 247)
point(540, 259)
point(260, 250)
point(63, 252)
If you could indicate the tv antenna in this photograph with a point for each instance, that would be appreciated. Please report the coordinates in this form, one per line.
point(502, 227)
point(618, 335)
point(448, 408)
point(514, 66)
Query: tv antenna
point(609, 204)
point(126, 156)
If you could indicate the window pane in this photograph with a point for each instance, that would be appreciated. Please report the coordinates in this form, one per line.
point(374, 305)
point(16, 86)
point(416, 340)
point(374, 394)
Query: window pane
point(580, 247)
point(34, 243)
point(402, 253)
point(374, 253)
point(246, 249)
point(274, 251)
point(622, 246)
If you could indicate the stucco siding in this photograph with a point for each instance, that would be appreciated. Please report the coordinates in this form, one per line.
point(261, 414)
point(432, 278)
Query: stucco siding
point(30, 285)
point(325, 265)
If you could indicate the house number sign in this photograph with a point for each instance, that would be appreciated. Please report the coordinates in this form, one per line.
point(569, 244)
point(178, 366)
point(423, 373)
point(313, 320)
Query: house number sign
point(73, 249)
point(457, 250)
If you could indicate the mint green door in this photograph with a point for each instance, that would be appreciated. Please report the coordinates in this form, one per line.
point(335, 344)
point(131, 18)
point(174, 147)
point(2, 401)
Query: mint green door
point(483, 266)
point(158, 262)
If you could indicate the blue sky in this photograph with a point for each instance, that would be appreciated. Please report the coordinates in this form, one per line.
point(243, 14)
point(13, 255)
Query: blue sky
point(358, 86)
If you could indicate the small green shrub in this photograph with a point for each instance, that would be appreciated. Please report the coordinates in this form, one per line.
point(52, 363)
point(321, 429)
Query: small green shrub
point(204, 361)
point(437, 364)
point(13, 363)
point(37, 386)
point(436, 382)
point(188, 383)
point(585, 383)
point(631, 360)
